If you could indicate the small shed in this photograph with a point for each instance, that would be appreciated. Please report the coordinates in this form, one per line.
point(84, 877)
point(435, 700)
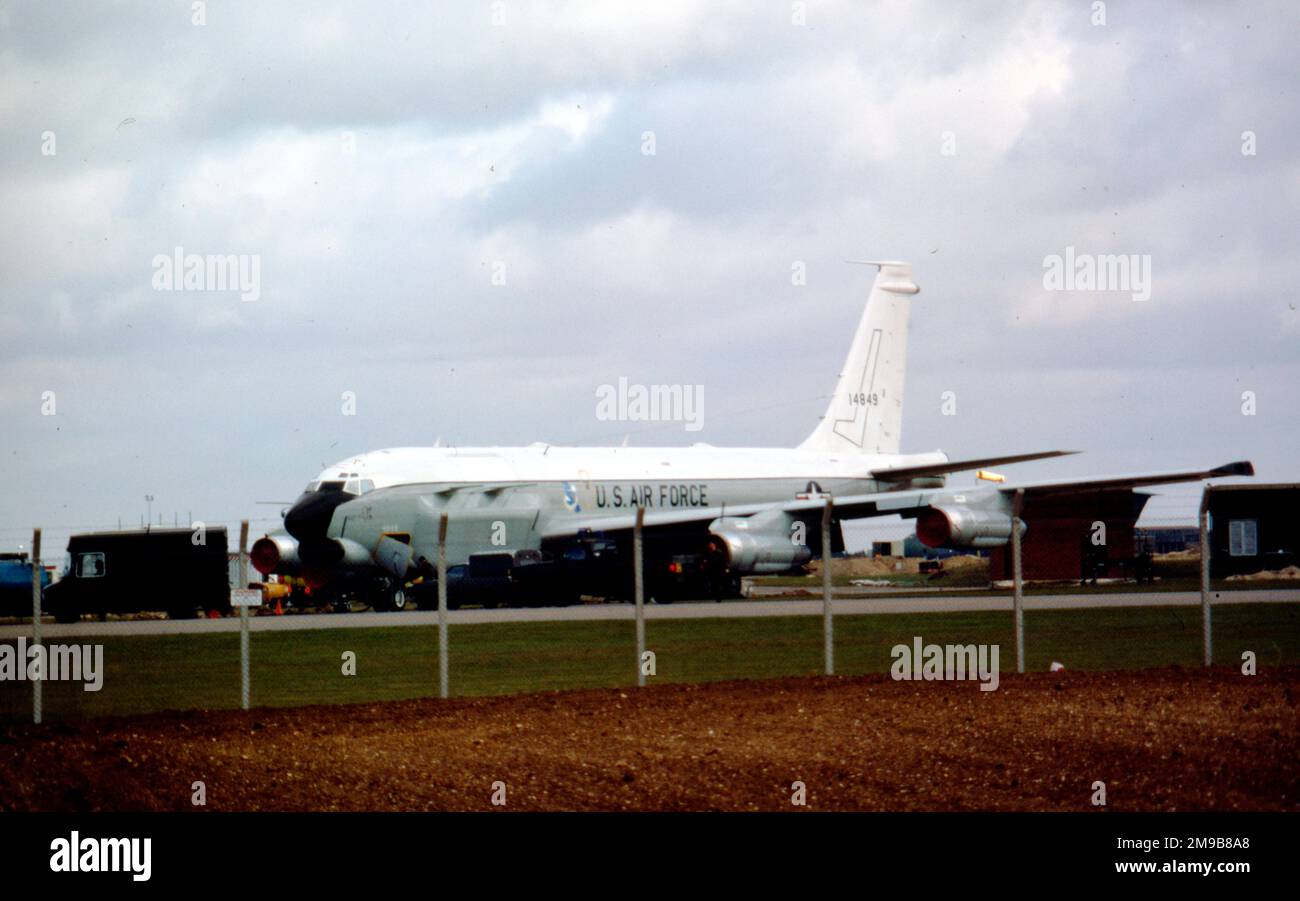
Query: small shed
point(1089, 534)
point(1253, 528)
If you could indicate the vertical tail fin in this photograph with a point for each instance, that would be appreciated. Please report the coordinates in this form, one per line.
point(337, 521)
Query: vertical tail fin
point(865, 415)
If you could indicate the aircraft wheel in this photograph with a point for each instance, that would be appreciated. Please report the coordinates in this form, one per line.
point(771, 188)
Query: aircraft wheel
point(397, 600)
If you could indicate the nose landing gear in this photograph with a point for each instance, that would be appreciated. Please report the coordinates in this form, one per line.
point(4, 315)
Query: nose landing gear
point(390, 596)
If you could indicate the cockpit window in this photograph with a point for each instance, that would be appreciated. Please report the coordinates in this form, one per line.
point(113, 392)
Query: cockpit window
point(348, 486)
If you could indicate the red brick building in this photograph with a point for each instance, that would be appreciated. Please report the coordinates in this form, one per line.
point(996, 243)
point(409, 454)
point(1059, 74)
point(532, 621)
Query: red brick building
point(1058, 541)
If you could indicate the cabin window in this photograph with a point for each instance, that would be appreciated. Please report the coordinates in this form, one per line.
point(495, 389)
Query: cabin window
point(90, 566)
point(1242, 540)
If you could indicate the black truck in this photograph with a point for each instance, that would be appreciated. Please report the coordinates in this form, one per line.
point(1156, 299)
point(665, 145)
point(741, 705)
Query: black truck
point(180, 571)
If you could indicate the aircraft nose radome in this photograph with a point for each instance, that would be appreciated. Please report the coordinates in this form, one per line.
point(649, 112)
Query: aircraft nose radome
point(297, 517)
point(309, 517)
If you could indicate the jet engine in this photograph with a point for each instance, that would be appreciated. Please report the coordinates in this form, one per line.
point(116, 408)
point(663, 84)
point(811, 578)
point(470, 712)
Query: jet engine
point(327, 552)
point(753, 546)
point(275, 554)
point(961, 527)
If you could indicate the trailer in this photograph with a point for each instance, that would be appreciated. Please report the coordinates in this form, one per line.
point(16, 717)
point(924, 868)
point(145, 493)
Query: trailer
point(179, 571)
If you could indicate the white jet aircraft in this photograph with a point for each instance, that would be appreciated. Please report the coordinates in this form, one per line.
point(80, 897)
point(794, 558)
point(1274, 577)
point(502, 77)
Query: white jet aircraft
point(544, 524)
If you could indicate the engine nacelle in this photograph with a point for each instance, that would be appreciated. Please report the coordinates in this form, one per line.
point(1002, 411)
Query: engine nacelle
point(276, 554)
point(964, 527)
point(330, 552)
point(739, 548)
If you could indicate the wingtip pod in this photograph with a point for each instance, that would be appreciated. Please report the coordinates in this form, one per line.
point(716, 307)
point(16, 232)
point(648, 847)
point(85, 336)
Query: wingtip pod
point(1240, 468)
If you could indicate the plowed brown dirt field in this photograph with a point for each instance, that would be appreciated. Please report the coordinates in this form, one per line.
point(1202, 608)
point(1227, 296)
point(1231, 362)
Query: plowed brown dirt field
point(1169, 739)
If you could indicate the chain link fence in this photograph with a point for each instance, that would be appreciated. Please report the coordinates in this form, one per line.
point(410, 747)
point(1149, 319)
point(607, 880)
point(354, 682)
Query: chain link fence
point(1079, 611)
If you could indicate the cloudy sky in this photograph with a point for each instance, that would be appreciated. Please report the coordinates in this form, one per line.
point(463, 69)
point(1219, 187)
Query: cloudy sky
point(387, 163)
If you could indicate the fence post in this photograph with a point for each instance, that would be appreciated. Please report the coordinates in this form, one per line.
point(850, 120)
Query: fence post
point(444, 676)
point(828, 620)
point(36, 625)
point(638, 594)
point(1207, 637)
point(1017, 579)
point(244, 675)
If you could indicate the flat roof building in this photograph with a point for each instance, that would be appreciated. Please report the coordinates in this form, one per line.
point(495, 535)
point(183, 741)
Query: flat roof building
point(1253, 528)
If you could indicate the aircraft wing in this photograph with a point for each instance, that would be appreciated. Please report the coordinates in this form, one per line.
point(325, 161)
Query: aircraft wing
point(886, 503)
point(895, 502)
point(855, 507)
point(903, 473)
point(1124, 482)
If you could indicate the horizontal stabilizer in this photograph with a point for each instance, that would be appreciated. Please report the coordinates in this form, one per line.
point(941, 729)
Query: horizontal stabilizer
point(903, 473)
